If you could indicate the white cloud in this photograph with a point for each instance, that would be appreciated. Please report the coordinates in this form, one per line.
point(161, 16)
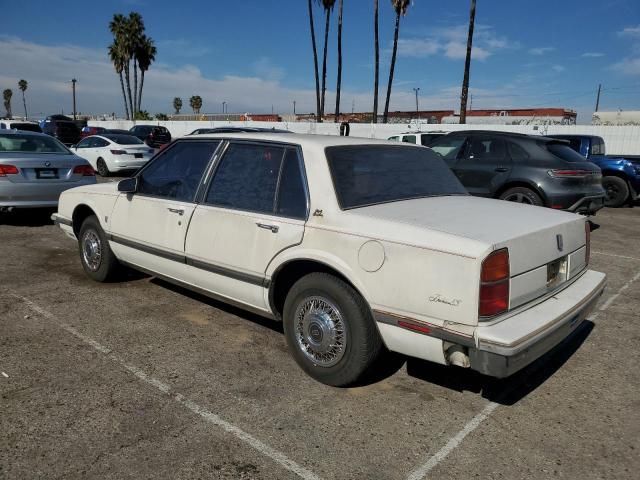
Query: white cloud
point(541, 50)
point(558, 68)
point(633, 32)
point(183, 48)
point(417, 47)
point(628, 66)
point(592, 55)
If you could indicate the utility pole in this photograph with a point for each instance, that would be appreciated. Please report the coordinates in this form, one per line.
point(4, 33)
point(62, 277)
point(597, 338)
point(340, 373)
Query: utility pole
point(224, 107)
point(353, 106)
point(598, 97)
point(73, 85)
point(467, 65)
point(294, 107)
point(417, 89)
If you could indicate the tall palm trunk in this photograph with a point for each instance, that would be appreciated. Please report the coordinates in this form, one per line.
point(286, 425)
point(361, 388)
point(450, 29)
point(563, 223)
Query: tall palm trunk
point(140, 91)
point(339, 63)
point(135, 87)
point(467, 65)
point(393, 65)
point(128, 80)
point(24, 103)
point(324, 61)
point(124, 95)
point(377, 62)
point(315, 62)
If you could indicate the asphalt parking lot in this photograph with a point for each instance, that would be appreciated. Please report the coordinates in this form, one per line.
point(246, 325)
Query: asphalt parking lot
point(140, 379)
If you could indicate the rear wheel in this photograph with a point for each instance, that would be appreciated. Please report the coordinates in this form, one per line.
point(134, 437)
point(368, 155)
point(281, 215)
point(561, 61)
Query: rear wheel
point(522, 195)
point(103, 170)
point(617, 191)
point(96, 256)
point(329, 330)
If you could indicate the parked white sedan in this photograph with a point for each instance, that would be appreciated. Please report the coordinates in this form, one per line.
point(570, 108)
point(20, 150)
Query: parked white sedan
point(354, 244)
point(110, 152)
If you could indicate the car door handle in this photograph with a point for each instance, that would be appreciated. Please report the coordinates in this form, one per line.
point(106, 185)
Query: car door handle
point(273, 228)
point(502, 169)
point(179, 211)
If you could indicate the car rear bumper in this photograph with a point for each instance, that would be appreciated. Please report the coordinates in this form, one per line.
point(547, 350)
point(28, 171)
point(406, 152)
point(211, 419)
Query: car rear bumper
point(36, 195)
point(588, 205)
point(510, 345)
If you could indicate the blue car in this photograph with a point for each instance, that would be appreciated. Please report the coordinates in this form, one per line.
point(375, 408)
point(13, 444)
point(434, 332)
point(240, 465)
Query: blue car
point(620, 175)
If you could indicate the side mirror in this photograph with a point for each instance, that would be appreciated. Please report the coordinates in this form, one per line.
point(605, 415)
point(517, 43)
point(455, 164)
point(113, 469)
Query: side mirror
point(128, 185)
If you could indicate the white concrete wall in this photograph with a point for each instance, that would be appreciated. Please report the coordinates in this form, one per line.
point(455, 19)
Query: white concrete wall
point(620, 140)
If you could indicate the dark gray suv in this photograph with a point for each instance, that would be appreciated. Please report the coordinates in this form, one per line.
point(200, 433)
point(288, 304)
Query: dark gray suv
point(523, 168)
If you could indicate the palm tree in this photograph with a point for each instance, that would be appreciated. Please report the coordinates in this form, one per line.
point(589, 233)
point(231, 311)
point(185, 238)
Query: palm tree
point(120, 54)
point(315, 61)
point(146, 55)
point(377, 61)
point(195, 102)
point(339, 62)
point(400, 7)
point(328, 7)
point(7, 94)
point(117, 57)
point(135, 30)
point(22, 85)
point(177, 104)
point(467, 65)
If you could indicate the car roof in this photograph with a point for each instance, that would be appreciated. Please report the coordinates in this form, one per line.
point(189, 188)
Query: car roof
point(502, 133)
point(423, 131)
point(24, 132)
point(309, 140)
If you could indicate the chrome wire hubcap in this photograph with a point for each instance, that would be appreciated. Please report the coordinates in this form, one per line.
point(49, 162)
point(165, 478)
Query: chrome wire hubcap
point(320, 331)
point(91, 250)
point(518, 198)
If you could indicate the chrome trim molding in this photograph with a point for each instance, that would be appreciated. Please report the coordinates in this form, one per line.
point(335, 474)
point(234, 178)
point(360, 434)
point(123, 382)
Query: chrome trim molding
point(58, 220)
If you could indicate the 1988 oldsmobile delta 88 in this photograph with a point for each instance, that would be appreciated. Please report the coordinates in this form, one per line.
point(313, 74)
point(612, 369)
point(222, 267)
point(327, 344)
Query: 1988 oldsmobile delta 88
point(354, 244)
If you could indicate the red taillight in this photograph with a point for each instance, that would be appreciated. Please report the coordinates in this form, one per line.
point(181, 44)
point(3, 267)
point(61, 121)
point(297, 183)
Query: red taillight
point(8, 170)
point(494, 284)
point(84, 170)
point(118, 152)
point(587, 233)
point(570, 173)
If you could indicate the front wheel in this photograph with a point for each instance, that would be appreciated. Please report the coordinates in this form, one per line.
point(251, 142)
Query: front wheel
point(329, 330)
point(98, 261)
point(522, 195)
point(616, 189)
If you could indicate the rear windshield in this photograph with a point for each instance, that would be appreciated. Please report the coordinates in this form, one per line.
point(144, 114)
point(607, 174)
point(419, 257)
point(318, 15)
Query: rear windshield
point(371, 174)
point(565, 152)
point(123, 139)
point(26, 127)
point(26, 143)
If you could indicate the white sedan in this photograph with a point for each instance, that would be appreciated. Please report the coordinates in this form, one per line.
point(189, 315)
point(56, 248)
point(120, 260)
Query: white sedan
point(355, 244)
point(110, 152)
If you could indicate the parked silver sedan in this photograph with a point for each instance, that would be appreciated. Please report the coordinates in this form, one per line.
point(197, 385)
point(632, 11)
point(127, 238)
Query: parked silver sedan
point(36, 168)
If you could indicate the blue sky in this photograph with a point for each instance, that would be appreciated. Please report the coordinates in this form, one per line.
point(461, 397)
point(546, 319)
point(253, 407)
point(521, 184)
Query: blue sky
point(255, 54)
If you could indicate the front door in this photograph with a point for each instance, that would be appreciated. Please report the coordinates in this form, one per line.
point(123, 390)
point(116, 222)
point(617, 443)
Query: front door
point(485, 166)
point(148, 228)
point(255, 207)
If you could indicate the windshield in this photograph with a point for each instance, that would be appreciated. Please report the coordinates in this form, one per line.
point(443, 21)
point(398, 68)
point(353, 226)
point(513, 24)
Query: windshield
point(26, 143)
point(371, 174)
point(123, 139)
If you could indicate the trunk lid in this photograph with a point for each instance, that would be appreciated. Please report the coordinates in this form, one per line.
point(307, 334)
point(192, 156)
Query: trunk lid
point(42, 168)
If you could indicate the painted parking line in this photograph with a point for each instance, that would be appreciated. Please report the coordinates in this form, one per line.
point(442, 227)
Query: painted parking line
point(615, 255)
point(421, 472)
point(212, 418)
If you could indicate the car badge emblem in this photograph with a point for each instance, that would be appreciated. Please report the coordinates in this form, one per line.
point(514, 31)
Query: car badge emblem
point(47, 164)
point(560, 242)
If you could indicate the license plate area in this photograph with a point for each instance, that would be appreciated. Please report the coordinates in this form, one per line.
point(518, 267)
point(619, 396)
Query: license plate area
point(46, 173)
point(137, 155)
point(556, 272)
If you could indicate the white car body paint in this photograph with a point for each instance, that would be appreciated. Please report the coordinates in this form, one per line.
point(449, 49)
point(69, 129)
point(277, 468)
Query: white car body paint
point(430, 274)
point(115, 162)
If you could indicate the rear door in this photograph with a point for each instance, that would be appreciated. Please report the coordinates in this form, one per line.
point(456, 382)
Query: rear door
point(485, 165)
point(149, 227)
point(256, 206)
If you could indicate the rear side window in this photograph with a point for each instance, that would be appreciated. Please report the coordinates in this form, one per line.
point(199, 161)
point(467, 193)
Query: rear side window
point(265, 179)
point(409, 139)
point(427, 139)
point(518, 154)
point(564, 152)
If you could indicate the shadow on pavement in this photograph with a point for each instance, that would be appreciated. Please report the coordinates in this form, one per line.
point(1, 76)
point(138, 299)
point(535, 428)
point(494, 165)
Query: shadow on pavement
point(31, 217)
point(506, 391)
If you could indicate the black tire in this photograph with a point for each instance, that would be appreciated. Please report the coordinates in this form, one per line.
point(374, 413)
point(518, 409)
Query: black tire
point(103, 170)
point(361, 342)
point(98, 261)
point(522, 195)
point(617, 191)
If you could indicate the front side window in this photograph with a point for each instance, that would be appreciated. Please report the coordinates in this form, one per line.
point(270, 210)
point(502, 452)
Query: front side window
point(448, 148)
point(84, 143)
point(487, 149)
point(177, 172)
point(371, 174)
point(260, 178)
point(409, 139)
point(99, 142)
